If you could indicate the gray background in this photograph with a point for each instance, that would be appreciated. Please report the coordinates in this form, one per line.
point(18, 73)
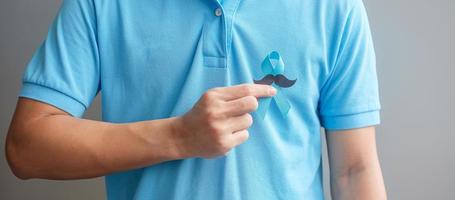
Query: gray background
point(414, 42)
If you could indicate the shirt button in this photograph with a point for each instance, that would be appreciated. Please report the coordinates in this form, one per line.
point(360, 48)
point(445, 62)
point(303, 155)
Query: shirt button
point(218, 12)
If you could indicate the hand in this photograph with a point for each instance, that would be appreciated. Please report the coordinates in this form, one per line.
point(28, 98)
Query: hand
point(219, 120)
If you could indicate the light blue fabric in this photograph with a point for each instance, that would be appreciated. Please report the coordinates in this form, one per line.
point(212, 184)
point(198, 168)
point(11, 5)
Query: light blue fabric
point(154, 59)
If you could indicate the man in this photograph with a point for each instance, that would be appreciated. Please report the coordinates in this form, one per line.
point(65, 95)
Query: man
point(182, 117)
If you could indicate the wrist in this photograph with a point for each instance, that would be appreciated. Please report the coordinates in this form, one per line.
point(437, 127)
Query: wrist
point(159, 139)
point(176, 138)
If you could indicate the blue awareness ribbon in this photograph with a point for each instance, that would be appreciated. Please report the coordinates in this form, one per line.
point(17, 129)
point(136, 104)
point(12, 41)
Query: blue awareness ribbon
point(273, 64)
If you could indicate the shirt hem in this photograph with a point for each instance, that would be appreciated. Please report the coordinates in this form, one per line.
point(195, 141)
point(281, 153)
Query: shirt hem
point(53, 97)
point(351, 121)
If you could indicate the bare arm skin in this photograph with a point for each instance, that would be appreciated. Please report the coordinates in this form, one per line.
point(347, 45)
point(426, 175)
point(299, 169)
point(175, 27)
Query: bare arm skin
point(354, 166)
point(45, 142)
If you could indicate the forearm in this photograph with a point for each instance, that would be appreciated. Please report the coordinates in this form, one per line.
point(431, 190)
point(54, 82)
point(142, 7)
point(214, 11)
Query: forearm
point(64, 147)
point(363, 183)
point(46, 142)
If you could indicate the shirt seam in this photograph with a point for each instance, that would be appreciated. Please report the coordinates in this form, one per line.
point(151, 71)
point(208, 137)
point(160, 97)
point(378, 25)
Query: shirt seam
point(335, 64)
point(350, 114)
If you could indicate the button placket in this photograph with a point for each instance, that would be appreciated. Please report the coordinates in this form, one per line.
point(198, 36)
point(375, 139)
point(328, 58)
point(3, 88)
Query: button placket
point(229, 9)
point(214, 47)
point(229, 21)
point(217, 33)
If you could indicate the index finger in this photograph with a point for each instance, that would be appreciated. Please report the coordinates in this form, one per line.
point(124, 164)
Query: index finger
point(248, 89)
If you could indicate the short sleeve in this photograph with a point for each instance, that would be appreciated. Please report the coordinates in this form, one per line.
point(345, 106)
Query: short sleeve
point(64, 71)
point(349, 98)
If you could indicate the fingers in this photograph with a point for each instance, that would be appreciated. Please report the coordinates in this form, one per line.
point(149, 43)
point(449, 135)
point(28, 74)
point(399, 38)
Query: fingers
point(241, 106)
point(242, 90)
point(239, 137)
point(239, 123)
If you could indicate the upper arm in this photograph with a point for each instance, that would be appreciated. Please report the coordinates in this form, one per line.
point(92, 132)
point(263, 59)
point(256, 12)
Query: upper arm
point(352, 150)
point(62, 77)
point(349, 99)
point(65, 71)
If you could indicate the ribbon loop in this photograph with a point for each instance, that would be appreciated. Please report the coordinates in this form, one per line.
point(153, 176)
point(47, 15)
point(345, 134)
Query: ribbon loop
point(273, 64)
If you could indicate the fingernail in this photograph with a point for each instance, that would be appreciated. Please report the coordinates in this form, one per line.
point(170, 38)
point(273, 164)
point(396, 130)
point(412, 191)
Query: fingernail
point(272, 91)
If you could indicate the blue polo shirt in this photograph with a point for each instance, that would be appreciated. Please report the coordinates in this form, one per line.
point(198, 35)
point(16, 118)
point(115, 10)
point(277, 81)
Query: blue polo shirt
point(154, 59)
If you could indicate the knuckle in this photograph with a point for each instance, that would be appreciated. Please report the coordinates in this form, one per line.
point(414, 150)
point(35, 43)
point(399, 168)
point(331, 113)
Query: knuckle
point(248, 103)
point(221, 146)
point(243, 104)
point(246, 89)
point(215, 129)
point(209, 95)
point(211, 115)
point(205, 98)
point(224, 150)
point(206, 95)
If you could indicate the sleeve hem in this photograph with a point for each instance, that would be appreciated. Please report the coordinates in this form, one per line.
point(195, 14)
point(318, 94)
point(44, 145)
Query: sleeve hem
point(351, 121)
point(53, 97)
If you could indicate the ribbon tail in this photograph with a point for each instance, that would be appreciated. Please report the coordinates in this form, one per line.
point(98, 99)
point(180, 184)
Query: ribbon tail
point(262, 107)
point(282, 103)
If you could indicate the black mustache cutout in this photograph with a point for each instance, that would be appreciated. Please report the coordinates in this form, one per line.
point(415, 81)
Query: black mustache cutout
point(279, 79)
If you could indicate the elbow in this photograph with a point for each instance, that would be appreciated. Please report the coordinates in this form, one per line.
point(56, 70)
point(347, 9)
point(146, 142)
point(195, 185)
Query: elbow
point(356, 170)
point(16, 162)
